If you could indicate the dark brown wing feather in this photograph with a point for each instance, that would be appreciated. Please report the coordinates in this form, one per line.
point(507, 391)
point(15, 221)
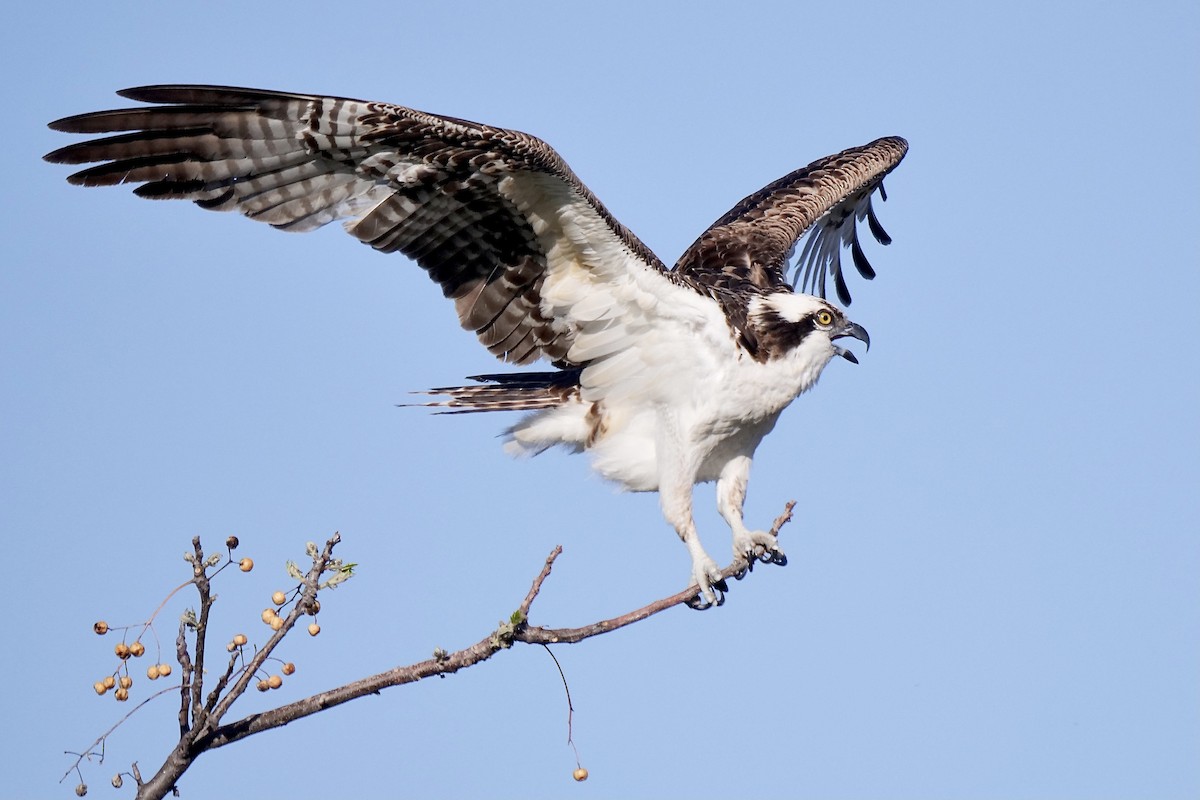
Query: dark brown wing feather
point(747, 249)
point(428, 186)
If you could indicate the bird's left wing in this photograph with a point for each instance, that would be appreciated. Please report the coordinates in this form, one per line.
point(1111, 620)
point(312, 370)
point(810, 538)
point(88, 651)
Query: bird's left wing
point(751, 245)
point(535, 264)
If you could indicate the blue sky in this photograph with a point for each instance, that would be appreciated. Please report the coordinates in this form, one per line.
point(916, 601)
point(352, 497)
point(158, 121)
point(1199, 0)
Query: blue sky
point(994, 585)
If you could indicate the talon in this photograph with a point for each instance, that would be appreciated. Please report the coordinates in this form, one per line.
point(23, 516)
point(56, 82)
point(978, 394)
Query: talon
point(707, 578)
point(773, 557)
point(758, 546)
point(702, 603)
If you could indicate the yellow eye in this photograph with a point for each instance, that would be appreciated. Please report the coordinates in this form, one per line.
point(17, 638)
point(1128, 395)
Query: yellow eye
point(824, 318)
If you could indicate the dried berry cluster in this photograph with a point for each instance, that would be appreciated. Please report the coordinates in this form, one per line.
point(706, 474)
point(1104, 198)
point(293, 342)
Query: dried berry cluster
point(120, 679)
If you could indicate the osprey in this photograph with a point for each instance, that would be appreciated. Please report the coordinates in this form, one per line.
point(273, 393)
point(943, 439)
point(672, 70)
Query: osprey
point(667, 377)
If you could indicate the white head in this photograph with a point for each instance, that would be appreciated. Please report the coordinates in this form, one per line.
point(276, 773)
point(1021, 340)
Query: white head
point(801, 327)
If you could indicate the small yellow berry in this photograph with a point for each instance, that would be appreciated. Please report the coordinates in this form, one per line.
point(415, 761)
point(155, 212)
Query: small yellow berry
point(109, 681)
point(100, 628)
point(122, 651)
point(231, 647)
point(121, 694)
point(164, 670)
point(580, 774)
point(263, 686)
point(240, 640)
point(274, 681)
point(99, 687)
point(314, 629)
point(313, 608)
point(268, 614)
point(118, 781)
point(289, 668)
point(137, 649)
point(152, 672)
point(125, 681)
point(81, 789)
point(279, 598)
point(276, 623)
point(246, 564)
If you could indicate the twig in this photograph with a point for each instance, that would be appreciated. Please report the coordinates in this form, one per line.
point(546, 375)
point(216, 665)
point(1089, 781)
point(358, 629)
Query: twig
point(537, 582)
point(223, 681)
point(203, 721)
point(783, 519)
point(102, 738)
point(570, 706)
point(185, 665)
point(202, 586)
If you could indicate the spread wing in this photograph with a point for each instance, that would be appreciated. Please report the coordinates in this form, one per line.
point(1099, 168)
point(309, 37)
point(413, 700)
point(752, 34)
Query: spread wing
point(751, 245)
point(535, 264)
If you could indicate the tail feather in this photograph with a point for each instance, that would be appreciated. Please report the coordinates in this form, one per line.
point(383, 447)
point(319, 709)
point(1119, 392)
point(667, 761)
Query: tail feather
point(516, 391)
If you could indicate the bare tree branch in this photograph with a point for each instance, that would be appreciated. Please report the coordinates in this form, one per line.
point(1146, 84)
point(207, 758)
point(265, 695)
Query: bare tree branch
point(205, 721)
point(200, 579)
point(206, 732)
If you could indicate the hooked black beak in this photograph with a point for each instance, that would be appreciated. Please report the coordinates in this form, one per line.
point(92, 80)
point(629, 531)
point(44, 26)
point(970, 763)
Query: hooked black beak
point(856, 331)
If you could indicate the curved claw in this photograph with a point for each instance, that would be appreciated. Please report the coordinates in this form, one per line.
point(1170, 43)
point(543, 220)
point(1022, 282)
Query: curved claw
point(758, 546)
point(700, 603)
point(761, 555)
point(773, 557)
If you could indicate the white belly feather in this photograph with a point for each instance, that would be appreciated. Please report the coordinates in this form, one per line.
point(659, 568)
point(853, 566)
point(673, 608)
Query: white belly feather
point(718, 414)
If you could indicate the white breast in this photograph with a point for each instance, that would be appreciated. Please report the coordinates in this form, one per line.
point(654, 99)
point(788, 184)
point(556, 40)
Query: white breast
point(719, 414)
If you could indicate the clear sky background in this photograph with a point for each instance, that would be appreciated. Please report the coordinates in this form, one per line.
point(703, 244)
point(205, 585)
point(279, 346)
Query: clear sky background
point(994, 584)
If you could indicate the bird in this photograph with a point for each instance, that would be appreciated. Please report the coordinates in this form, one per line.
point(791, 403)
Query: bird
point(666, 377)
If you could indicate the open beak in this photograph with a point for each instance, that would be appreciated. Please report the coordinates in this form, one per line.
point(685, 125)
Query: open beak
point(856, 331)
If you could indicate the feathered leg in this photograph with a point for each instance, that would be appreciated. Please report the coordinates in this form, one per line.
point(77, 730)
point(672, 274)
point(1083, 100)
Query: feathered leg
point(676, 479)
point(731, 495)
